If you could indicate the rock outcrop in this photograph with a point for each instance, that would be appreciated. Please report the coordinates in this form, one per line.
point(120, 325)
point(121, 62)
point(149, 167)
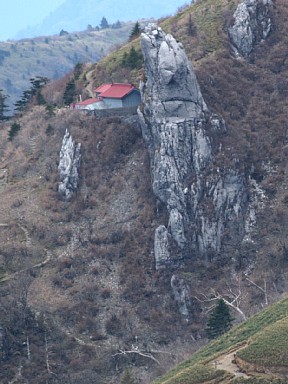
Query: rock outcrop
point(201, 200)
point(70, 156)
point(252, 23)
point(181, 296)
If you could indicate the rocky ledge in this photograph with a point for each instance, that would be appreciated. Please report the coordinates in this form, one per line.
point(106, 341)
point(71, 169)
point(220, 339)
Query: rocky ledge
point(201, 200)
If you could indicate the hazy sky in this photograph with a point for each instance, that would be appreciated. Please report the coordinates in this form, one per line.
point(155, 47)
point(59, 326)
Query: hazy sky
point(16, 15)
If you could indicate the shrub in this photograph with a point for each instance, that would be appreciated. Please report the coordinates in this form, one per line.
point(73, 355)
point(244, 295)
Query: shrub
point(15, 128)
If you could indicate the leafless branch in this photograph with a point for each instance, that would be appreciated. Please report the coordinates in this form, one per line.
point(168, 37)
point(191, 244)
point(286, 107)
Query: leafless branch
point(231, 298)
point(263, 290)
point(135, 349)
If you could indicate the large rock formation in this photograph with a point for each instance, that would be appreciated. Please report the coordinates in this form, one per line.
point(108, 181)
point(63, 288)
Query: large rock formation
point(201, 201)
point(70, 156)
point(251, 24)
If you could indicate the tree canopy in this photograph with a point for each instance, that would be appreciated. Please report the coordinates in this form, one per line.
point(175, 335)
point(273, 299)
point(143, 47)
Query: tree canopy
point(3, 106)
point(220, 320)
point(104, 23)
point(136, 30)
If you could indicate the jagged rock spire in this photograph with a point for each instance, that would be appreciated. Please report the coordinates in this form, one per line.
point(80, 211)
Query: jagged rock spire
point(252, 23)
point(175, 121)
point(171, 82)
point(70, 156)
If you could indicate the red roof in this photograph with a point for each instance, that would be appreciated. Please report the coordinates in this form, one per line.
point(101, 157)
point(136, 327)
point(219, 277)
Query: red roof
point(92, 100)
point(102, 88)
point(114, 90)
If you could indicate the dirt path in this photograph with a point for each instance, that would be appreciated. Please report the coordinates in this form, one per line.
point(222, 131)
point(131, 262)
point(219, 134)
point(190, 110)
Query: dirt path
point(38, 265)
point(90, 87)
point(226, 362)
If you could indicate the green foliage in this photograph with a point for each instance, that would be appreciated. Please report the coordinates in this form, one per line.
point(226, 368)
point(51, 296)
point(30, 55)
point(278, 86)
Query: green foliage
point(269, 347)
point(196, 374)
point(14, 129)
point(104, 23)
point(127, 378)
point(70, 92)
point(53, 56)
point(63, 33)
point(40, 100)
point(78, 70)
point(133, 59)
point(3, 106)
point(3, 55)
point(230, 340)
point(191, 29)
point(116, 25)
point(34, 92)
point(258, 380)
point(220, 320)
point(50, 110)
point(49, 130)
point(135, 31)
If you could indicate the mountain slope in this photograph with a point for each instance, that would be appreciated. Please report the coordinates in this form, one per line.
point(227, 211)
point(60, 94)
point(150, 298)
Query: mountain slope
point(81, 298)
point(75, 16)
point(254, 352)
point(53, 56)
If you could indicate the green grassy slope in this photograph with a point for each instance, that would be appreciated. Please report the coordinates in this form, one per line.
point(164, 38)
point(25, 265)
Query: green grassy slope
point(266, 337)
point(207, 35)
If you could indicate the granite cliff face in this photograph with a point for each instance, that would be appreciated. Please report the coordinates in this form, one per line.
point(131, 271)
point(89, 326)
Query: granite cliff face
point(252, 24)
point(178, 128)
point(69, 163)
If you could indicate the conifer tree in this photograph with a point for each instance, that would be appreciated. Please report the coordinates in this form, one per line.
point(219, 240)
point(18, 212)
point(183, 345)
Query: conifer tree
point(34, 93)
point(133, 59)
point(135, 31)
point(70, 92)
point(220, 320)
point(3, 106)
point(104, 23)
point(191, 26)
point(14, 129)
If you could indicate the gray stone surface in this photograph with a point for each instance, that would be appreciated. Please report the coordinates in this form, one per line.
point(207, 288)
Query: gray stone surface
point(175, 121)
point(181, 296)
point(70, 156)
point(161, 247)
point(252, 23)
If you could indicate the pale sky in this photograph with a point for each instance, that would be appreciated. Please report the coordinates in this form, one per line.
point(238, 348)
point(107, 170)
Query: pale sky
point(16, 15)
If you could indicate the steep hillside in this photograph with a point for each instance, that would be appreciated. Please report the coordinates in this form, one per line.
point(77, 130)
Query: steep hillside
point(53, 56)
point(254, 353)
point(116, 281)
point(73, 272)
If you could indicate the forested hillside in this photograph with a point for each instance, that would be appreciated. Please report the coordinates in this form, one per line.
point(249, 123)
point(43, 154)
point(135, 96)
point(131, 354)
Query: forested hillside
point(54, 56)
point(172, 209)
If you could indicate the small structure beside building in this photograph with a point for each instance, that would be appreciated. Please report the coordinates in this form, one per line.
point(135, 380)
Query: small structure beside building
point(112, 96)
point(89, 104)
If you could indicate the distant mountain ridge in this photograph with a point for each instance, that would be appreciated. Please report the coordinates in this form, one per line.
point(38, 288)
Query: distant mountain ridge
point(73, 15)
point(53, 56)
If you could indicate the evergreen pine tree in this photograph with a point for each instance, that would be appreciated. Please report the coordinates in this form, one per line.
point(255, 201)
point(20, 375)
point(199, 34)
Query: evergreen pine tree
point(3, 106)
point(15, 128)
point(34, 93)
point(135, 31)
point(133, 59)
point(220, 320)
point(117, 24)
point(104, 23)
point(191, 27)
point(70, 92)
